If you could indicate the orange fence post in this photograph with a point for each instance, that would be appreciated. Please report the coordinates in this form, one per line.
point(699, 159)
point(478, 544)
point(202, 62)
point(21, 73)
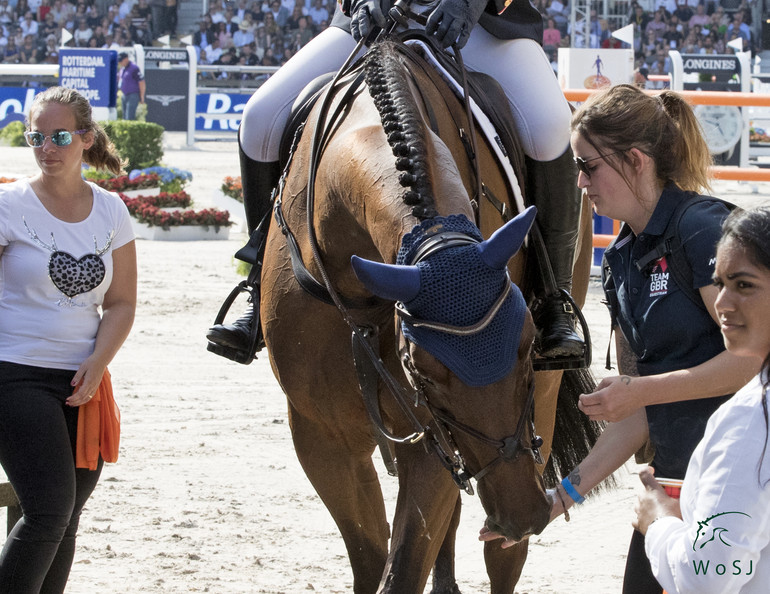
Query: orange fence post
point(694, 97)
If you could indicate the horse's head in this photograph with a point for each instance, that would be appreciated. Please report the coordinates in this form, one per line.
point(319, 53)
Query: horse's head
point(465, 341)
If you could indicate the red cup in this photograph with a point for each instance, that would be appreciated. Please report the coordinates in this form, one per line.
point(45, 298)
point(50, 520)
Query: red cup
point(672, 487)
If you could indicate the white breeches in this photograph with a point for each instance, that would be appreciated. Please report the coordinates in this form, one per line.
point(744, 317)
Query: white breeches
point(521, 67)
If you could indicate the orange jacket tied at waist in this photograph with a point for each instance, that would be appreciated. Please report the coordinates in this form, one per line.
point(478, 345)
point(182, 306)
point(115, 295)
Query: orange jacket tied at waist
point(98, 428)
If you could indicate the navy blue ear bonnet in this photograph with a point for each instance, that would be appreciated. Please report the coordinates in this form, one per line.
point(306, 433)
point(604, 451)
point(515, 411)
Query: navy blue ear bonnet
point(457, 287)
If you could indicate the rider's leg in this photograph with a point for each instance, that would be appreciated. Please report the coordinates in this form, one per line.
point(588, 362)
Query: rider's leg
point(542, 117)
point(267, 112)
point(551, 187)
point(259, 140)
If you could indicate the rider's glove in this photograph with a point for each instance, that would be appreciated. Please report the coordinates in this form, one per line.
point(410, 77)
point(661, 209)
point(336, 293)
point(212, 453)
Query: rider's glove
point(365, 15)
point(452, 21)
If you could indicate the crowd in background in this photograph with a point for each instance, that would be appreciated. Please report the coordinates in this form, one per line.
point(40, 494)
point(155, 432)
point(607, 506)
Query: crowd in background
point(256, 33)
point(247, 32)
point(269, 32)
point(688, 26)
point(30, 30)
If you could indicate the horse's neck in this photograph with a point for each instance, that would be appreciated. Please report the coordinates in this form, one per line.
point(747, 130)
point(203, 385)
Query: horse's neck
point(384, 166)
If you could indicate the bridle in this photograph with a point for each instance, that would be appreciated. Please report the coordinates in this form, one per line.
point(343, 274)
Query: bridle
point(509, 448)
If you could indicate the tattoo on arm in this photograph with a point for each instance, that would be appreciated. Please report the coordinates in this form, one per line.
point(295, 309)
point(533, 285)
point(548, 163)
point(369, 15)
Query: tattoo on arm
point(625, 379)
point(574, 476)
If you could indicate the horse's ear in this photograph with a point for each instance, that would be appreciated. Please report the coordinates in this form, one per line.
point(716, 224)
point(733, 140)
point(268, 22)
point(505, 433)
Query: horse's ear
point(506, 241)
point(389, 281)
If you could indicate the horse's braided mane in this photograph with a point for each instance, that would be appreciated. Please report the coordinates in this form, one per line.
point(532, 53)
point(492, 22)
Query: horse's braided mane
point(401, 121)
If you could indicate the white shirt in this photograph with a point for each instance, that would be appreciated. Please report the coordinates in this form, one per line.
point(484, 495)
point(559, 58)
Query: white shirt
point(213, 53)
point(28, 27)
point(54, 275)
point(721, 543)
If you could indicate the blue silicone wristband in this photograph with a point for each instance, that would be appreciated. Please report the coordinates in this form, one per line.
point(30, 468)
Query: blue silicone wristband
point(571, 491)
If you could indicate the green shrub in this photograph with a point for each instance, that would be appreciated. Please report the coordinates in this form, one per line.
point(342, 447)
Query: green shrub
point(13, 134)
point(141, 143)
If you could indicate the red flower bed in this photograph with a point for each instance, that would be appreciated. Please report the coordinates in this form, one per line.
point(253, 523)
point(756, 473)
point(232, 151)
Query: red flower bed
point(123, 184)
point(147, 209)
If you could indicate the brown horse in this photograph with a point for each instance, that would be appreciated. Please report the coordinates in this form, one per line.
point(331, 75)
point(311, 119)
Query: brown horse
point(384, 152)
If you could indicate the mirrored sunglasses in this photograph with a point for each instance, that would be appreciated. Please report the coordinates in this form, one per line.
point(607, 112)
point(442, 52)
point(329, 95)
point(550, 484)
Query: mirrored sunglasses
point(59, 138)
point(582, 164)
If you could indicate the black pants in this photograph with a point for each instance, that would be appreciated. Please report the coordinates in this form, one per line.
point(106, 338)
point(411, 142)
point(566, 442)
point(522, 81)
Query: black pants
point(639, 578)
point(37, 452)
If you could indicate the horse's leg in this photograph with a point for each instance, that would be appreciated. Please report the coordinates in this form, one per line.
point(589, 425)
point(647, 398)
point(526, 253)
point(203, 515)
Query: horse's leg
point(546, 399)
point(425, 508)
point(444, 581)
point(504, 565)
point(344, 476)
point(310, 354)
point(547, 382)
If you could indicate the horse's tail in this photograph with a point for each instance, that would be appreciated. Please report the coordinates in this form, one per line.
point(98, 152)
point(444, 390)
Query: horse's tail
point(574, 433)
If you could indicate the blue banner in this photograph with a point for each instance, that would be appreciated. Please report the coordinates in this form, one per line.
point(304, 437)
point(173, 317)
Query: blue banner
point(93, 73)
point(15, 103)
point(220, 105)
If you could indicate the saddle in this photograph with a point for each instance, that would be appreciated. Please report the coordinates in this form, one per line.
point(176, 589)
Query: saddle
point(423, 53)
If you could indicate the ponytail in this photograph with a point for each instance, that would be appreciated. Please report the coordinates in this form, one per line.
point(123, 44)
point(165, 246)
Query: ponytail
point(691, 157)
point(103, 154)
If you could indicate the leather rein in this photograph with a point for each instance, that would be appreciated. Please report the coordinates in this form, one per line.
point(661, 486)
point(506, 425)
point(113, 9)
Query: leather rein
point(369, 366)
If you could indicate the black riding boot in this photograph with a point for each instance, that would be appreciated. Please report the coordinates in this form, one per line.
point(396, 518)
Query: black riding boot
point(553, 190)
point(257, 180)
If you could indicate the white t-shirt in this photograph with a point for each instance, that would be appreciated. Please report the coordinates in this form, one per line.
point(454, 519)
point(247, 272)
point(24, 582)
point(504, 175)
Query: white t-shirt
point(722, 542)
point(54, 275)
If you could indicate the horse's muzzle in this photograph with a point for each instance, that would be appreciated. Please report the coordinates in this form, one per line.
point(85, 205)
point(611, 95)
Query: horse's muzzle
point(533, 522)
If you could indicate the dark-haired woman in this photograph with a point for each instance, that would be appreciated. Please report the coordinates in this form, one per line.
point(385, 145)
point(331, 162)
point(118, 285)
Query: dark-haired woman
point(68, 269)
point(716, 538)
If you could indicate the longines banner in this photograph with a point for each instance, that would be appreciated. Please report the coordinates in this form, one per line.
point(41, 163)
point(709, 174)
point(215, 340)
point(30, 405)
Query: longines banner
point(166, 73)
point(714, 68)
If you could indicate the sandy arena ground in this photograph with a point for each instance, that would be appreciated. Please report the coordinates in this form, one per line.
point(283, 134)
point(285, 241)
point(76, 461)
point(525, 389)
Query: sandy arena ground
point(208, 495)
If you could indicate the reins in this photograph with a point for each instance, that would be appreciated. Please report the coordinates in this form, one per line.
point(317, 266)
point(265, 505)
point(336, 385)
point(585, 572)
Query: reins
point(320, 135)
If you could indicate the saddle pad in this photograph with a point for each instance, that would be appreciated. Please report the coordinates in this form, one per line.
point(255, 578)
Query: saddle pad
point(482, 120)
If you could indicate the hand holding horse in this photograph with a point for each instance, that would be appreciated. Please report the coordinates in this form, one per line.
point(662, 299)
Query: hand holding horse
point(560, 505)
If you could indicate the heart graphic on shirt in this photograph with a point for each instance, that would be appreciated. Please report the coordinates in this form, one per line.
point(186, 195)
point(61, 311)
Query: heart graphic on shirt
point(72, 276)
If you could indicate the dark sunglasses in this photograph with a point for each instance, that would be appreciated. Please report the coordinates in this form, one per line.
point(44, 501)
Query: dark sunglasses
point(582, 164)
point(60, 138)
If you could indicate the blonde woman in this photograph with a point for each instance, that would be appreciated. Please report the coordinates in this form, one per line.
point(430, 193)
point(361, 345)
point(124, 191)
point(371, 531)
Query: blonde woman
point(68, 264)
